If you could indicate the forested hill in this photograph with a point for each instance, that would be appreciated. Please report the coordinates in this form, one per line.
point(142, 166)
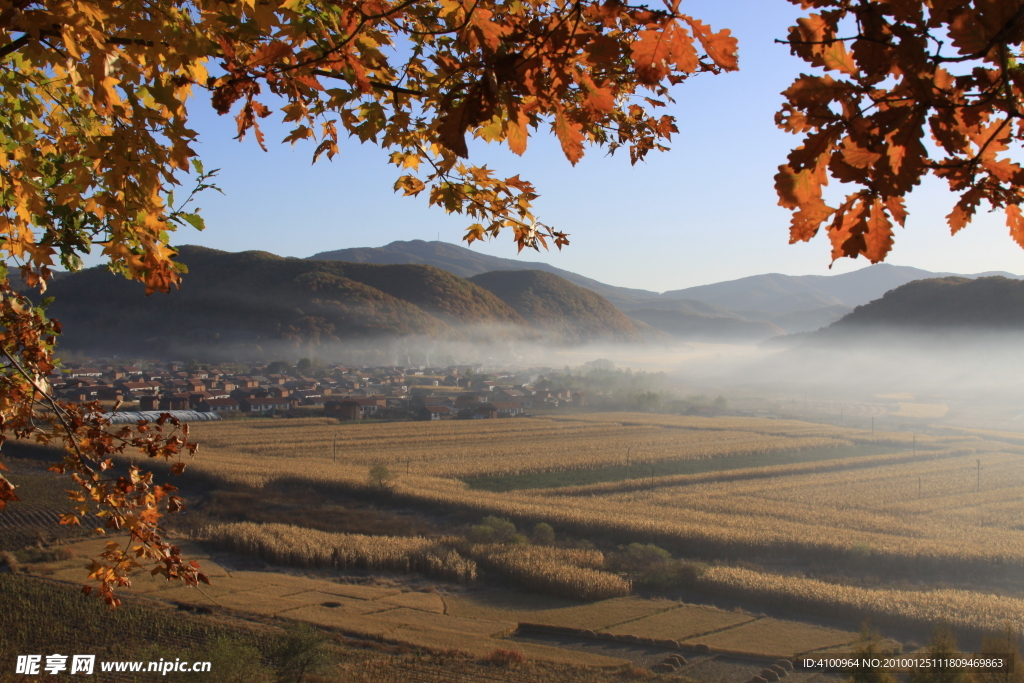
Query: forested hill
point(557, 306)
point(467, 263)
point(953, 304)
point(232, 303)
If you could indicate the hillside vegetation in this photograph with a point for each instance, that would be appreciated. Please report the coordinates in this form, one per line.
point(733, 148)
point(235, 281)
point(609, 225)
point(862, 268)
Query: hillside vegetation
point(231, 300)
point(438, 292)
point(557, 306)
point(233, 303)
point(950, 302)
point(469, 262)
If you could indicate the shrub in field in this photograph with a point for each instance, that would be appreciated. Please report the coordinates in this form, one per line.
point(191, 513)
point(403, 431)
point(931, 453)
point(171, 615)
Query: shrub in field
point(651, 566)
point(9, 563)
point(645, 564)
point(543, 534)
point(503, 657)
point(869, 647)
point(236, 662)
point(379, 477)
point(495, 530)
point(301, 651)
point(1004, 644)
point(941, 646)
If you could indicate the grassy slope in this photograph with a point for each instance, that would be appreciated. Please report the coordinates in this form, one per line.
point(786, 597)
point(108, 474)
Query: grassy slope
point(245, 297)
point(564, 310)
point(446, 296)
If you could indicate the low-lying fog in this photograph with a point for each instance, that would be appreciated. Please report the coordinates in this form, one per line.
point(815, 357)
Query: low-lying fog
point(903, 380)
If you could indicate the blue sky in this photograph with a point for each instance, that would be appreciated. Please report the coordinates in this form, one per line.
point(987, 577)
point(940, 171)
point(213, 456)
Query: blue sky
point(704, 212)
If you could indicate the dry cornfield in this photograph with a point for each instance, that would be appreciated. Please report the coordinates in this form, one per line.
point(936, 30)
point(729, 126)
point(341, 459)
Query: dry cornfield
point(916, 506)
point(298, 546)
point(905, 505)
point(964, 610)
point(565, 572)
point(478, 447)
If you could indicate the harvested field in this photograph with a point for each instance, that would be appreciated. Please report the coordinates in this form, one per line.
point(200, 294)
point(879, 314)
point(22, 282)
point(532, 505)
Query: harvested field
point(428, 620)
point(774, 638)
point(268, 605)
point(426, 602)
point(481, 647)
point(594, 616)
point(480, 447)
point(336, 602)
point(681, 623)
point(347, 622)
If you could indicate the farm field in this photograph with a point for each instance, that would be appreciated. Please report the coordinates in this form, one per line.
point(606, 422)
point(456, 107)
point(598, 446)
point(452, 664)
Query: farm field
point(48, 616)
point(913, 504)
point(469, 620)
point(820, 533)
point(494, 447)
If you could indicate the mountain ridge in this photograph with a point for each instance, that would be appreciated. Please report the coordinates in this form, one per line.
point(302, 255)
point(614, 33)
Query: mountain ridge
point(554, 304)
point(247, 301)
point(791, 303)
point(467, 263)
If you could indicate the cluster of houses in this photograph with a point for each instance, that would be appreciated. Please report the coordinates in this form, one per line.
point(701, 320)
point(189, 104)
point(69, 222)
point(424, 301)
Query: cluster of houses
point(338, 391)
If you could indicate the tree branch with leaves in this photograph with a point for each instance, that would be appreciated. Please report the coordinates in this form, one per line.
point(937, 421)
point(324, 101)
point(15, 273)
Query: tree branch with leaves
point(904, 70)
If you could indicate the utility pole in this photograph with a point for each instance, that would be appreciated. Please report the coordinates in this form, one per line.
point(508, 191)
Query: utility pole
point(628, 449)
point(652, 477)
point(408, 464)
point(335, 448)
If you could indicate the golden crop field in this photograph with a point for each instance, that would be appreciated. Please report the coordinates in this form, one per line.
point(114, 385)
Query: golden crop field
point(916, 503)
point(957, 608)
point(467, 448)
point(774, 638)
point(565, 572)
point(907, 504)
point(301, 547)
point(681, 623)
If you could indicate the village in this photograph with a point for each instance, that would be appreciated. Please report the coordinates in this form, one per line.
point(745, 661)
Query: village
point(346, 393)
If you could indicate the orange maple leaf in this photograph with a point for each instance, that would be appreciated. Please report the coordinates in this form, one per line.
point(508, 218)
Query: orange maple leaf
point(1016, 223)
point(651, 54)
point(878, 236)
point(515, 132)
point(570, 134)
point(722, 47)
point(836, 57)
point(858, 157)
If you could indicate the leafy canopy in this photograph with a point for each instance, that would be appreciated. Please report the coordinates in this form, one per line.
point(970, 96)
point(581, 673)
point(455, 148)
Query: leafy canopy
point(911, 88)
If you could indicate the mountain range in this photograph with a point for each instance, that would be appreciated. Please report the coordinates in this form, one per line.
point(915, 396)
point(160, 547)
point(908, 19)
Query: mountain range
point(743, 310)
point(467, 263)
point(234, 304)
